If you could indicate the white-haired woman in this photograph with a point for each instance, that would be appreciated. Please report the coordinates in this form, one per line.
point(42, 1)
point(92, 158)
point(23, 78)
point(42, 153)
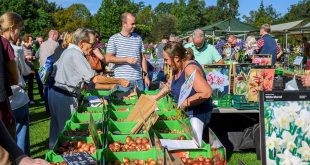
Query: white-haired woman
point(250, 45)
point(72, 69)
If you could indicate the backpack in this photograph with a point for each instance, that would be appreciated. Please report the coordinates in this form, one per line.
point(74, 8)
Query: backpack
point(46, 70)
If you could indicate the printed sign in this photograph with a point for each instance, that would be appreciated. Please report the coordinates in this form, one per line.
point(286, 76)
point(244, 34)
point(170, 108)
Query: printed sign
point(81, 158)
point(298, 60)
point(186, 88)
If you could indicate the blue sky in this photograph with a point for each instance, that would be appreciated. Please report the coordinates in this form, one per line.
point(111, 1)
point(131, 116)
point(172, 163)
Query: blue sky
point(245, 5)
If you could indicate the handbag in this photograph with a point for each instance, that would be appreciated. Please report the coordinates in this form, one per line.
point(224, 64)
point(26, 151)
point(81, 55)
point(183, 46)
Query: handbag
point(94, 62)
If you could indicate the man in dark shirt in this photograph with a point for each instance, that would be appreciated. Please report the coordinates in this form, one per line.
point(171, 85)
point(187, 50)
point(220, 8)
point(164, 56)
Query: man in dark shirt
point(267, 45)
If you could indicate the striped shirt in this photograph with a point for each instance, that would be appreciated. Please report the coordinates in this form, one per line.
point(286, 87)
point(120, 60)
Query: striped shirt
point(121, 46)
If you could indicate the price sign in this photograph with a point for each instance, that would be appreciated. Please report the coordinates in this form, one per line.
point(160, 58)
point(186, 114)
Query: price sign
point(298, 60)
point(81, 158)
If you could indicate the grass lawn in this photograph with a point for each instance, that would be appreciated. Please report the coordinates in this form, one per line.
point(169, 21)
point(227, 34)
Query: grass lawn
point(39, 133)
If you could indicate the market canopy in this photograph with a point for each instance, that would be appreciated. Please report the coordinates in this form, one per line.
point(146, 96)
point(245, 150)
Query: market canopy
point(287, 26)
point(232, 25)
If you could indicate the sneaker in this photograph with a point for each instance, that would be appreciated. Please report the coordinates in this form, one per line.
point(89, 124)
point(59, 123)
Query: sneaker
point(31, 102)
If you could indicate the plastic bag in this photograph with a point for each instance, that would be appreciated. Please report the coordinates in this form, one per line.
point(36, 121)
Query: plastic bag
point(291, 85)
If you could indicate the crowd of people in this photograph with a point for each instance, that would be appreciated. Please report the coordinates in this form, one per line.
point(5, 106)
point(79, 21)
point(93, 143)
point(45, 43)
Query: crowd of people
point(65, 64)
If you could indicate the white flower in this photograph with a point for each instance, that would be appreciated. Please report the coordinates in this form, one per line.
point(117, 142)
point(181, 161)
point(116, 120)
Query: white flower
point(304, 151)
point(303, 120)
point(288, 159)
point(282, 121)
point(273, 142)
point(217, 80)
point(288, 140)
point(271, 162)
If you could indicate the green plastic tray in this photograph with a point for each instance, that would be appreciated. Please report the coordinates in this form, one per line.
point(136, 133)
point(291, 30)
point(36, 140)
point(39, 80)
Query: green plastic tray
point(83, 109)
point(122, 138)
point(121, 127)
point(144, 155)
point(75, 126)
point(100, 93)
point(84, 118)
point(168, 125)
point(240, 103)
point(117, 107)
point(225, 102)
point(114, 115)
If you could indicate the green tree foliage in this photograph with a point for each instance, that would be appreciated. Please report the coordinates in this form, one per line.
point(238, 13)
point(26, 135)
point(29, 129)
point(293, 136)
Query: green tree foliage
point(35, 13)
point(165, 25)
point(72, 18)
point(262, 15)
point(298, 11)
point(108, 19)
point(227, 9)
point(163, 8)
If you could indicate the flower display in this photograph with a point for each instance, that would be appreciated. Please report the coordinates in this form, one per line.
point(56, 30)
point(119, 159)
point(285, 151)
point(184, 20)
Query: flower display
point(260, 80)
point(287, 125)
point(241, 77)
point(262, 61)
point(218, 79)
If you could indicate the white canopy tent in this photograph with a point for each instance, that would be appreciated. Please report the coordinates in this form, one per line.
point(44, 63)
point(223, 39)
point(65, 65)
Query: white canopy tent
point(286, 28)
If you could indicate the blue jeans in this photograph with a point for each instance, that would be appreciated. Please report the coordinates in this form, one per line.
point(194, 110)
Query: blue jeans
point(133, 83)
point(22, 128)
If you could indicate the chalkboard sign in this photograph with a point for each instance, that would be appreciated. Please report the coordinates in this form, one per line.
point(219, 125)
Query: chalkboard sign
point(81, 158)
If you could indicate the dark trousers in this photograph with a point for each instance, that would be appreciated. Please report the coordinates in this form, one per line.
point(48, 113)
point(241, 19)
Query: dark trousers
point(29, 80)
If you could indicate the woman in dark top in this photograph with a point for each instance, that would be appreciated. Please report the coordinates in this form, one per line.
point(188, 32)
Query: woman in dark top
point(182, 64)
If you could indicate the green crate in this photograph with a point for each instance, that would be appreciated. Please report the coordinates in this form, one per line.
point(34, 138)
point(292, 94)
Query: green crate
point(150, 92)
point(70, 126)
point(193, 153)
point(115, 115)
point(279, 72)
point(84, 117)
point(84, 109)
point(144, 155)
point(240, 103)
point(124, 102)
point(166, 125)
point(121, 127)
point(171, 115)
point(172, 136)
point(225, 102)
point(62, 138)
point(122, 138)
point(117, 107)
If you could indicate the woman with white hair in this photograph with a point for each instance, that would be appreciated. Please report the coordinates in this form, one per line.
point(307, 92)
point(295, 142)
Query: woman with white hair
point(72, 70)
point(250, 45)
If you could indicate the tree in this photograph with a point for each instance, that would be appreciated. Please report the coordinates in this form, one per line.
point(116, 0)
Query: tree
point(227, 9)
point(262, 15)
point(108, 19)
point(210, 15)
point(72, 18)
point(35, 13)
point(166, 24)
point(298, 11)
point(163, 8)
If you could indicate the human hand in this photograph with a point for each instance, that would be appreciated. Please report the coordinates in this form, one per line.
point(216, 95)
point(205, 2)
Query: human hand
point(30, 161)
point(124, 83)
point(305, 79)
point(147, 81)
point(131, 60)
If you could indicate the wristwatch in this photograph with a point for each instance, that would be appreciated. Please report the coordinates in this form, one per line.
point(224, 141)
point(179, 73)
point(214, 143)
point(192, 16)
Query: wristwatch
point(144, 73)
